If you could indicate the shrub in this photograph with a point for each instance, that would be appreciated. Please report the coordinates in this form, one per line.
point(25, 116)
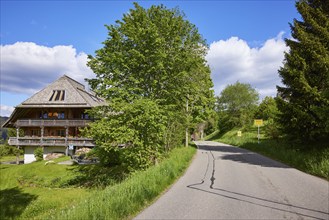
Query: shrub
point(6, 150)
point(38, 154)
point(272, 130)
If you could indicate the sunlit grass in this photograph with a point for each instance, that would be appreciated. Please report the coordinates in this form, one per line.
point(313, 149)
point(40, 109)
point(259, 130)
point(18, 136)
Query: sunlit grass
point(10, 158)
point(126, 199)
point(52, 191)
point(32, 190)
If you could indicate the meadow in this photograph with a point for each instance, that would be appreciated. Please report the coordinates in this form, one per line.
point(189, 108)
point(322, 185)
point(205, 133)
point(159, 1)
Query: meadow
point(54, 191)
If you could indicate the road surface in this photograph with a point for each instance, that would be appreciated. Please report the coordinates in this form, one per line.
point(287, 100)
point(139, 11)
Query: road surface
point(225, 182)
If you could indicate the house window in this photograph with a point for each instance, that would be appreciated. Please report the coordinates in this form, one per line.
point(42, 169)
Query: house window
point(45, 115)
point(85, 116)
point(57, 95)
point(36, 132)
point(61, 115)
point(60, 133)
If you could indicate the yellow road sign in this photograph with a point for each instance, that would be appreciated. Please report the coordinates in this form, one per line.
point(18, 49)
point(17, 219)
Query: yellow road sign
point(258, 122)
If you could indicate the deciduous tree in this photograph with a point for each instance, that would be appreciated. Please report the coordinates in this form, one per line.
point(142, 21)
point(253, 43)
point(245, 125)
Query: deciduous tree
point(158, 56)
point(236, 105)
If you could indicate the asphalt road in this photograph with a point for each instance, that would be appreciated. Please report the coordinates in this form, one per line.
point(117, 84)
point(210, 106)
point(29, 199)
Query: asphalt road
point(225, 182)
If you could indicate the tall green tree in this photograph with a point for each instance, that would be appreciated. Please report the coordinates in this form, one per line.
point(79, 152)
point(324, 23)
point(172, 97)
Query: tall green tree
point(304, 98)
point(267, 109)
point(153, 53)
point(236, 105)
point(158, 56)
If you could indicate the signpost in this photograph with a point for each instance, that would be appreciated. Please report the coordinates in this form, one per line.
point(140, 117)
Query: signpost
point(258, 123)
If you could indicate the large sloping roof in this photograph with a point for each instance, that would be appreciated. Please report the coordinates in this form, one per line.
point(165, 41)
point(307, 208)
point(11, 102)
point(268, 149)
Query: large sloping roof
point(75, 95)
point(62, 93)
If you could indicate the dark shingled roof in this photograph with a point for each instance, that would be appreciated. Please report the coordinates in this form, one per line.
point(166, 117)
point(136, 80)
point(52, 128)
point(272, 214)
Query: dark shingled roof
point(72, 95)
point(75, 95)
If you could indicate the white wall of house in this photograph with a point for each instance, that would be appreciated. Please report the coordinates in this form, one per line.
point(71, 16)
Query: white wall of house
point(29, 154)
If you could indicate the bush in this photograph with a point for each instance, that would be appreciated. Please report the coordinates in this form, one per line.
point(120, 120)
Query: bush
point(38, 154)
point(7, 150)
point(272, 130)
point(3, 151)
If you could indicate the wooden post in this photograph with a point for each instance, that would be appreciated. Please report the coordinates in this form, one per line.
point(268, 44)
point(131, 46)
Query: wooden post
point(17, 153)
point(42, 133)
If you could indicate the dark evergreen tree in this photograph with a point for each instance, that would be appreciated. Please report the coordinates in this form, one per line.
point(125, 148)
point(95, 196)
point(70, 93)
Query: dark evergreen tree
point(304, 98)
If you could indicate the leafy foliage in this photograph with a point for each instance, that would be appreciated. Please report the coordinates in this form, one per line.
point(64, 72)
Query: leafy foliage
point(304, 98)
point(267, 109)
point(38, 153)
point(130, 134)
point(153, 72)
point(6, 150)
point(236, 106)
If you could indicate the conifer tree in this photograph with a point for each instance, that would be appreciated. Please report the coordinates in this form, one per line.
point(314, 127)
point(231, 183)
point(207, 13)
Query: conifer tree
point(304, 98)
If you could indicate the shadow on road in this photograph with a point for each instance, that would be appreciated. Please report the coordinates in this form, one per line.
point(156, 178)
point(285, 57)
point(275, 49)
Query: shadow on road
point(242, 156)
point(245, 156)
point(284, 207)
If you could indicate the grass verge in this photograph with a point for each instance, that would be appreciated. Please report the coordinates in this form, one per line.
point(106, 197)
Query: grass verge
point(32, 191)
point(124, 200)
point(10, 158)
point(314, 160)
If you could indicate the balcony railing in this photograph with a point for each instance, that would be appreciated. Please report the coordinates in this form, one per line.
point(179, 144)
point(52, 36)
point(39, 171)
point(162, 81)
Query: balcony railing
point(52, 122)
point(50, 141)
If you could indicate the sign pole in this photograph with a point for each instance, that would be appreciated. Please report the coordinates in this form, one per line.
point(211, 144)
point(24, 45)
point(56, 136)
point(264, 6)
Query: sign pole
point(258, 123)
point(258, 134)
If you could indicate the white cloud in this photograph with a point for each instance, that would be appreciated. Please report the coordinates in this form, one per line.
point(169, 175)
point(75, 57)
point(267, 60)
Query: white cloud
point(234, 60)
point(6, 110)
point(27, 67)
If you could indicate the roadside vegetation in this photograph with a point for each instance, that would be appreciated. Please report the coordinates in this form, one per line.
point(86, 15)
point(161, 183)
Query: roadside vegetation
point(124, 200)
point(53, 191)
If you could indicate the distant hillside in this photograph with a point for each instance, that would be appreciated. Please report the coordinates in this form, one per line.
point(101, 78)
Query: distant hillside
point(3, 119)
point(3, 131)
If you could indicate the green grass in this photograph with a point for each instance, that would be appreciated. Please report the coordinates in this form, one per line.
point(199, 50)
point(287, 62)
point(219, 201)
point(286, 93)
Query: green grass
point(124, 200)
point(32, 190)
point(10, 158)
point(53, 191)
point(314, 160)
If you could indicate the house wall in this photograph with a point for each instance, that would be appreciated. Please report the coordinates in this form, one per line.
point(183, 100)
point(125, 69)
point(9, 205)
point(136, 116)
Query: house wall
point(29, 154)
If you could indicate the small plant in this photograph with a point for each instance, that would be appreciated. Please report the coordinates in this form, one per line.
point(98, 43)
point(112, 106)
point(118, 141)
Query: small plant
point(38, 154)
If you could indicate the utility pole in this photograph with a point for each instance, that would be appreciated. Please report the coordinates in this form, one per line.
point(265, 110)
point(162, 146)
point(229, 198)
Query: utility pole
point(186, 130)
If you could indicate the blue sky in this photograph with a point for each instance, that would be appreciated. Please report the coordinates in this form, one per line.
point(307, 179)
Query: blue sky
point(42, 40)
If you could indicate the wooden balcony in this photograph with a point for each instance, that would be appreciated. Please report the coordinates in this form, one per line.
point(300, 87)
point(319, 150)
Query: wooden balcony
point(52, 123)
point(51, 141)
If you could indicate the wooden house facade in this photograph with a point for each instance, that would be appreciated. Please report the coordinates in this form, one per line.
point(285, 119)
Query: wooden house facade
point(52, 119)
